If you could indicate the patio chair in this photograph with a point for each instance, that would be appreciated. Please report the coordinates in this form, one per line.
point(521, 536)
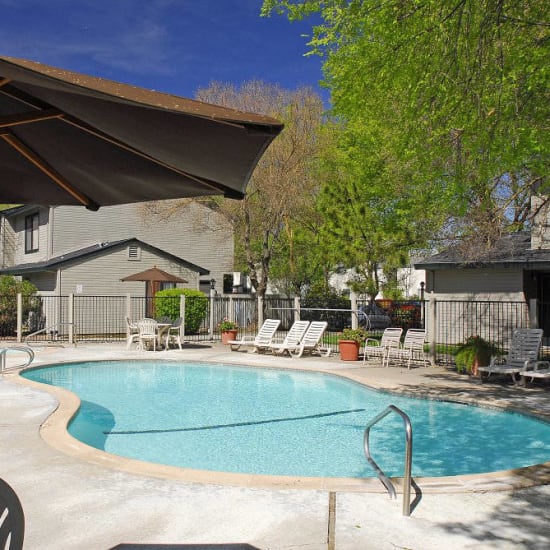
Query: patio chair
point(261, 341)
point(12, 519)
point(391, 338)
point(132, 332)
point(522, 355)
point(312, 341)
point(173, 334)
point(411, 350)
point(148, 333)
point(292, 339)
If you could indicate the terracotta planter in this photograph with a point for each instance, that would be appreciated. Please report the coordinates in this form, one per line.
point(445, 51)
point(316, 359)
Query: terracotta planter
point(349, 350)
point(228, 335)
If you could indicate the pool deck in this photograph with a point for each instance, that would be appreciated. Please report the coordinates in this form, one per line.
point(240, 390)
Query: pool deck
point(78, 498)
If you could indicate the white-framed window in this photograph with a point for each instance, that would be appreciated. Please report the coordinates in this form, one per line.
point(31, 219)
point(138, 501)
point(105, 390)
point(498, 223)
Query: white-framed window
point(31, 233)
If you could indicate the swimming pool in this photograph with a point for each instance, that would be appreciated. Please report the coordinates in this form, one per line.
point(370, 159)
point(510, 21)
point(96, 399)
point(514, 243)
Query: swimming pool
point(280, 422)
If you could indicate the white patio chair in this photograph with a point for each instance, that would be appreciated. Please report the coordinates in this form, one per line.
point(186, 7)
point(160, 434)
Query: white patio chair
point(148, 333)
point(411, 350)
point(522, 355)
point(292, 339)
point(173, 334)
point(391, 338)
point(262, 340)
point(312, 341)
point(132, 333)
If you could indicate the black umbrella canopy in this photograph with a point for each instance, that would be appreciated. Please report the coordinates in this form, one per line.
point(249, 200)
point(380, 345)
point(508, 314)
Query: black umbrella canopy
point(68, 138)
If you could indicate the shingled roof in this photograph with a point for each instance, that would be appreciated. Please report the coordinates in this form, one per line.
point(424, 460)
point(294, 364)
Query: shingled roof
point(512, 250)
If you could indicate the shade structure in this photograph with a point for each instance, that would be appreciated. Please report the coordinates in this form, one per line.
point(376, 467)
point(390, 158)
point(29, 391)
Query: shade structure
point(154, 274)
point(73, 139)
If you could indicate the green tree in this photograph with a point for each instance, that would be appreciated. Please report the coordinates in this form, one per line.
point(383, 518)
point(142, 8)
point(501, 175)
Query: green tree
point(283, 186)
point(10, 287)
point(453, 93)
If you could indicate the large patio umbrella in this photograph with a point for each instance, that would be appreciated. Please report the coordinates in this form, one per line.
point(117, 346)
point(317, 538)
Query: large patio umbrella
point(153, 277)
point(68, 138)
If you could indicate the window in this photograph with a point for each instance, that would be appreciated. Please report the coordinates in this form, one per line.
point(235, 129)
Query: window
point(31, 233)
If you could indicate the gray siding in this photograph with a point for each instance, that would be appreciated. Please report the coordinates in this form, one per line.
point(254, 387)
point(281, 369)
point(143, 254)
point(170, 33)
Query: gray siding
point(102, 274)
point(20, 257)
point(198, 234)
point(477, 284)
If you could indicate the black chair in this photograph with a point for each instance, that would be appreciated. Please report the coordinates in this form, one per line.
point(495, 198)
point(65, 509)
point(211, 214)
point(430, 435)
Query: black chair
point(12, 524)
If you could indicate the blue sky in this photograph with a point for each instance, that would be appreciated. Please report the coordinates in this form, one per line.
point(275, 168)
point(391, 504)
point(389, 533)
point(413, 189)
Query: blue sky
point(173, 46)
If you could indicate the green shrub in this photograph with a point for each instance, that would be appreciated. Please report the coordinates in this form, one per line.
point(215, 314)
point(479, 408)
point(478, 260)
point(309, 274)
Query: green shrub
point(167, 304)
point(32, 304)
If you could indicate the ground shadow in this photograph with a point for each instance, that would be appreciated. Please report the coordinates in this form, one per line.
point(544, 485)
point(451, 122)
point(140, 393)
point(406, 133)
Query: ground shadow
point(228, 546)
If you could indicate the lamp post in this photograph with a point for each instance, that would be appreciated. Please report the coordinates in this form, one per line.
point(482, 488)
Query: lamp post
point(212, 295)
point(422, 303)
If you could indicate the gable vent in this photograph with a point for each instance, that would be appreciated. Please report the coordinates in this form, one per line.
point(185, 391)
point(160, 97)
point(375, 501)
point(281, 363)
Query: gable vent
point(134, 253)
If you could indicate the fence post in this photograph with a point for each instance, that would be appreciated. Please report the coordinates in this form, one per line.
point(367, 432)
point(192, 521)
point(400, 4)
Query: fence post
point(432, 305)
point(71, 318)
point(297, 312)
point(260, 302)
point(533, 313)
point(19, 317)
point(182, 315)
point(354, 317)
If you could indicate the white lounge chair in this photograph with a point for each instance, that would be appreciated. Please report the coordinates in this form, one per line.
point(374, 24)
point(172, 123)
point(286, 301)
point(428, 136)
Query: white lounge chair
point(540, 369)
point(523, 354)
point(262, 340)
point(292, 339)
point(391, 338)
point(312, 340)
point(411, 350)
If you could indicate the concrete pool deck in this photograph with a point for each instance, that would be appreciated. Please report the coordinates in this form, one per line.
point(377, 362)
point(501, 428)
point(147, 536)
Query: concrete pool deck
point(77, 501)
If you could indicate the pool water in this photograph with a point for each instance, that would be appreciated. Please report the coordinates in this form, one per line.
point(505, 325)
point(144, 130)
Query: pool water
point(278, 422)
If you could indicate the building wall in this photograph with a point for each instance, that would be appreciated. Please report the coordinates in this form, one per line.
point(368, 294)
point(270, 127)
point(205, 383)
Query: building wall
point(102, 274)
point(22, 257)
point(476, 284)
point(197, 234)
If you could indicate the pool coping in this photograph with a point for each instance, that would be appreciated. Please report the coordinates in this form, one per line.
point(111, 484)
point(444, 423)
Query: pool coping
point(54, 432)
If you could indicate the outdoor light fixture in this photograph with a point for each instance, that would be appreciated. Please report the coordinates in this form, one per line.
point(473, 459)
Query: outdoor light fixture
point(212, 284)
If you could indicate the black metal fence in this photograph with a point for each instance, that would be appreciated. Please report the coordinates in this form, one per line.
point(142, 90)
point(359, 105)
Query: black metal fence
point(103, 318)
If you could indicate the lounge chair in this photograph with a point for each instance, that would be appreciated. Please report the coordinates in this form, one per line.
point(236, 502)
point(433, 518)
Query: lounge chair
point(411, 350)
point(292, 339)
point(523, 354)
point(312, 340)
point(12, 518)
point(262, 340)
point(391, 338)
point(540, 369)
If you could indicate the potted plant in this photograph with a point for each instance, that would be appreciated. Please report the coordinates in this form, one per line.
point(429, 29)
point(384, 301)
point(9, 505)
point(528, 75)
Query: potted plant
point(473, 353)
point(349, 343)
point(228, 330)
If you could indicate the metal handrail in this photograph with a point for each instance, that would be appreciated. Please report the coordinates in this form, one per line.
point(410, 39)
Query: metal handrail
point(408, 457)
point(47, 329)
point(4, 352)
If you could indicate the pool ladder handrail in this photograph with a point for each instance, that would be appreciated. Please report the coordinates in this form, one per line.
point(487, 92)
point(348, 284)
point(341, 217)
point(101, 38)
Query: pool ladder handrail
point(408, 457)
point(4, 351)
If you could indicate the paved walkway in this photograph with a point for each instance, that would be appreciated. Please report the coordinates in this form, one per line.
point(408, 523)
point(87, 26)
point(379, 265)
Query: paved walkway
point(80, 502)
